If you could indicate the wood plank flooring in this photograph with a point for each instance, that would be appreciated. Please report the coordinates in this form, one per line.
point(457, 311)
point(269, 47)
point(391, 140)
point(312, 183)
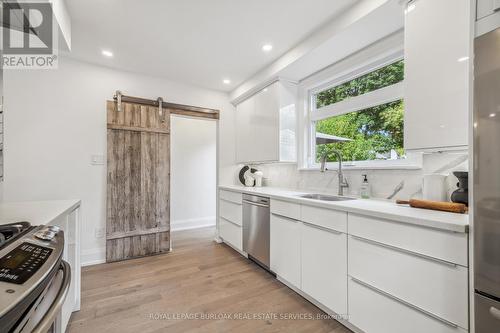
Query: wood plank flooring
point(171, 293)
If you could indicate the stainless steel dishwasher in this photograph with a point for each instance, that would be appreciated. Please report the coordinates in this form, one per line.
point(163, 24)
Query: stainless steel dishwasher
point(256, 216)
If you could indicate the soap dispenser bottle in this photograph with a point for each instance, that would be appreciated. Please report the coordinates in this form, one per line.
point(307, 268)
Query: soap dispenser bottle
point(365, 188)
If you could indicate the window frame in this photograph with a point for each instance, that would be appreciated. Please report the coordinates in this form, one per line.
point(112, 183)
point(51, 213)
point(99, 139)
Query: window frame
point(380, 96)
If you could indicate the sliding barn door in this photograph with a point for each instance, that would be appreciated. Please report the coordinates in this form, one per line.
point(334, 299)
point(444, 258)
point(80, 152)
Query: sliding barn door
point(138, 184)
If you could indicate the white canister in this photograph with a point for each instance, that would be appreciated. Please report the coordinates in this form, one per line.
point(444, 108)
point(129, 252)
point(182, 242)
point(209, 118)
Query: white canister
point(434, 187)
point(249, 180)
point(258, 178)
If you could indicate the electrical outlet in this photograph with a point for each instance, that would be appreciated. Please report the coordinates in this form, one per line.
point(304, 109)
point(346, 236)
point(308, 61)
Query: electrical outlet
point(99, 232)
point(97, 159)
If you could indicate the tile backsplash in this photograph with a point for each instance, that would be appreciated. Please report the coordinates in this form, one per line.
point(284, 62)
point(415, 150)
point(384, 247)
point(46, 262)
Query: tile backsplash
point(382, 182)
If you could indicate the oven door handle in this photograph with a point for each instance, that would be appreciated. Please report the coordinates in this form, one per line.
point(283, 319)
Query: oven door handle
point(44, 325)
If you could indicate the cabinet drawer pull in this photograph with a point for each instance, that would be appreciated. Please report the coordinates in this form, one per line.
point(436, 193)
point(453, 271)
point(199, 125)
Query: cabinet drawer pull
point(423, 256)
point(232, 202)
point(286, 218)
point(322, 228)
point(233, 223)
point(399, 300)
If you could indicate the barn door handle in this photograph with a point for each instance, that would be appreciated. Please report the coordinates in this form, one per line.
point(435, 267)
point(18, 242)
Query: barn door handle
point(161, 112)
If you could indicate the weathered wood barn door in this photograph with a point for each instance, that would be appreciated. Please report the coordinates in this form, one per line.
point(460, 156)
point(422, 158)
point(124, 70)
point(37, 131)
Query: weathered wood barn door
point(138, 181)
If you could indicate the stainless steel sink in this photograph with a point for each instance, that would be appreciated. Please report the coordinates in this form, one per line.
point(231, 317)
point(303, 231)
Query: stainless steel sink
point(325, 197)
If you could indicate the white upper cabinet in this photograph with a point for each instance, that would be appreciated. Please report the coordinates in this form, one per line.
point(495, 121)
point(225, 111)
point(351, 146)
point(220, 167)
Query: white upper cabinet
point(265, 125)
point(437, 64)
point(487, 16)
point(486, 8)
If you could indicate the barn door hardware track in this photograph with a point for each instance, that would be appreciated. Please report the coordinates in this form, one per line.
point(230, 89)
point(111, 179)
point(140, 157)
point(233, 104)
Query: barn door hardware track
point(179, 109)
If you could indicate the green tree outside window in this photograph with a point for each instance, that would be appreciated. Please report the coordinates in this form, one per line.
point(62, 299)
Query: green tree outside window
point(375, 132)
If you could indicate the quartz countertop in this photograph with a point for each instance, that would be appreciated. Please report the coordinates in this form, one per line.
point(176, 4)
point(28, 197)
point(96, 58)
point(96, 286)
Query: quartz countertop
point(371, 207)
point(35, 212)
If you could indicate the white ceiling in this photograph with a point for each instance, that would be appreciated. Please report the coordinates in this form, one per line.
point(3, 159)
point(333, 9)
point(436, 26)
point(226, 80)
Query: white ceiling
point(198, 42)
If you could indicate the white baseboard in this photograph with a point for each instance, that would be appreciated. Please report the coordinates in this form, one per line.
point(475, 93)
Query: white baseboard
point(98, 255)
point(93, 256)
point(193, 223)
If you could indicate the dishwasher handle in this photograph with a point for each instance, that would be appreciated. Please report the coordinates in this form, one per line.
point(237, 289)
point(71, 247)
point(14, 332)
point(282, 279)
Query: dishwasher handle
point(256, 203)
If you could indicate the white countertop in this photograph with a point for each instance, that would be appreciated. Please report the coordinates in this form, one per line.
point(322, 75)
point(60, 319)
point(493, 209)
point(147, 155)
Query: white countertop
point(35, 212)
point(371, 207)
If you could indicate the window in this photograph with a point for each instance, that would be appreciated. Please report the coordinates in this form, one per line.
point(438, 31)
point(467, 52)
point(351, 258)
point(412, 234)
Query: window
point(377, 79)
point(363, 113)
point(376, 133)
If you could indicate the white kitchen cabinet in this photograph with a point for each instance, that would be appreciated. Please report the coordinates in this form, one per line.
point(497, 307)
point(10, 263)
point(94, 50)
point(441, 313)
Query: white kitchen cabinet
point(444, 245)
point(285, 208)
point(265, 125)
point(486, 8)
point(231, 211)
point(231, 196)
point(230, 219)
point(231, 233)
point(374, 311)
point(487, 16)
point(246, 150)
point(437, 65)
point(69, 223)
point(285, 249)
point(435, 286)
point(324, 266)
point(266, 121)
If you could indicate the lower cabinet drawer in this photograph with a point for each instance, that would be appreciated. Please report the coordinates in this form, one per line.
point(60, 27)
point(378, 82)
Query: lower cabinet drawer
point(435, 286)
point(231, 233)
point(285, 249)
point(445, 245)
point(327, 218)
point(374, 312)
point(231, 211)
point(324, 267)
point(284, 208)
point(230, 196)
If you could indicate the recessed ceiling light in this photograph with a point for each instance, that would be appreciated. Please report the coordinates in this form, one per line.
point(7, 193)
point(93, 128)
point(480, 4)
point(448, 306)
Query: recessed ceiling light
point(107, 53)
point(267, 47)
point(493, 115)
point(226, 81)
point(463, 59)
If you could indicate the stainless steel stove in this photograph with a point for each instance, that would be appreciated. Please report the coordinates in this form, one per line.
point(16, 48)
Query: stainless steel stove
point(9, 232)
point(34, 280)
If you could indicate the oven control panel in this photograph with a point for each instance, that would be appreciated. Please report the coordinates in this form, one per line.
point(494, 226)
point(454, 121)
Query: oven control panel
point(21, 263)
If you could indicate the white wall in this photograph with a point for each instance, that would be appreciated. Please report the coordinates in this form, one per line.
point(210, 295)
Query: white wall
point(193, 173)
point(55, 120)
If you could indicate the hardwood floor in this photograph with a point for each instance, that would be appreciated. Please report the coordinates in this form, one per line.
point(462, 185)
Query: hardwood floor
point(199, 278)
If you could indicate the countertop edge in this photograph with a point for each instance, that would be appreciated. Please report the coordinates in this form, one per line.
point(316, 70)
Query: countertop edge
point(36, 212)
point(76, 203)
point(434, 223)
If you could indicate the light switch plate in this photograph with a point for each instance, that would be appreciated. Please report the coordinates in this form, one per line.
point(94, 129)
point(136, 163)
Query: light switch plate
point(99, 232)
point(97, 159)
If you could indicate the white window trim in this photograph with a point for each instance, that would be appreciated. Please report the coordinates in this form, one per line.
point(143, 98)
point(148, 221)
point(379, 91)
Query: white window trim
point(357, 103)
point(377, 97)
